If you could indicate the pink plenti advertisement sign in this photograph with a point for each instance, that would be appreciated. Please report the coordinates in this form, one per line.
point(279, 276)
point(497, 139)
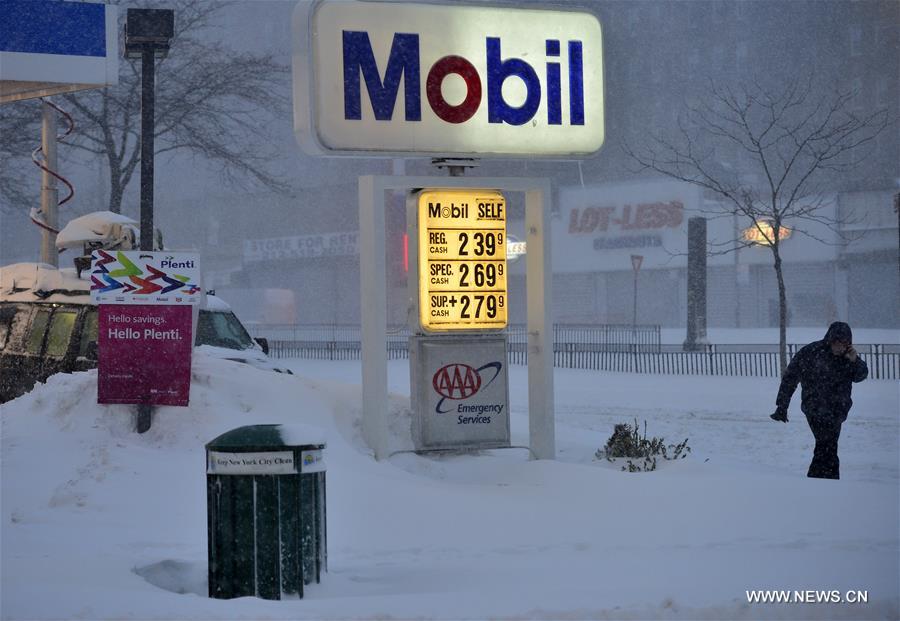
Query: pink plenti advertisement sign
point(144, 354)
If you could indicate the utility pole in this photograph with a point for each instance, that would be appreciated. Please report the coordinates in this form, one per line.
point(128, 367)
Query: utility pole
point(49, 191)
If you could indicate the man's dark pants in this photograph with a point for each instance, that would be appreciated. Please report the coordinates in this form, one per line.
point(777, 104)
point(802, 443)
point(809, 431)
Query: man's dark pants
point(826, 428)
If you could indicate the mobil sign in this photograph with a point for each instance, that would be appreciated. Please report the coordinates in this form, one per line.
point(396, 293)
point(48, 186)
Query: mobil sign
point(400, 78)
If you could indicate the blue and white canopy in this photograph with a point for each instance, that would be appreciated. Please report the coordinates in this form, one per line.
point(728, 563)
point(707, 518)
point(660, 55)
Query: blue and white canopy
point(49, 47)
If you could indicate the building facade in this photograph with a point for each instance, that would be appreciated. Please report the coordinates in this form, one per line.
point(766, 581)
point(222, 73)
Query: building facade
point(659, 57)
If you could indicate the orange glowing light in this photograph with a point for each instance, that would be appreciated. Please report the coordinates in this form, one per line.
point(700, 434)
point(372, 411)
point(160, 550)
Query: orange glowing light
point(763, 233)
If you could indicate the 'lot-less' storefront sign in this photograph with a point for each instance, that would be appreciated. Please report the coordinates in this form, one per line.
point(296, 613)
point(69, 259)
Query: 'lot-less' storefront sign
point(462, 260)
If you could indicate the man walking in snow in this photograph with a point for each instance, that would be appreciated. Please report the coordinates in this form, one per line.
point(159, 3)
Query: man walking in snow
point(825, 370)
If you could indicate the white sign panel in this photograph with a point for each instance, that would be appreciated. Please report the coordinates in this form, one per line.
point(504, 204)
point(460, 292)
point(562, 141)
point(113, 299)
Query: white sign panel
point(278, 462)
point(302, 247)
point(139, 277)
point(403, 78)
point(460, 394)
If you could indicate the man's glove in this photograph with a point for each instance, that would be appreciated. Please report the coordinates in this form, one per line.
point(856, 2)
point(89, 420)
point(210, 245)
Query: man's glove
point(780, 415)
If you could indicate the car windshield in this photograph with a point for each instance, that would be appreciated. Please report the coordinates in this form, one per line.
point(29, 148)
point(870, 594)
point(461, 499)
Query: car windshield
point(222, 329)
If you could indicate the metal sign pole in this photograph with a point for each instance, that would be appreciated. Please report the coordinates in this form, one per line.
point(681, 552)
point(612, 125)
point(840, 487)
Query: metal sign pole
point(373, 304)
point(538, 277)
point(148, 101)
point(145, 411)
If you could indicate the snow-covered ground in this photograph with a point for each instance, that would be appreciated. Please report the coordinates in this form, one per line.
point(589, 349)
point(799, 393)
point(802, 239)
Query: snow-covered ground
point(99, 522)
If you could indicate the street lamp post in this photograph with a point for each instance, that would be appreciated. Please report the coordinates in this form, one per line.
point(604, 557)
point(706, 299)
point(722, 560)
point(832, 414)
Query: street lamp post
point(147, 36)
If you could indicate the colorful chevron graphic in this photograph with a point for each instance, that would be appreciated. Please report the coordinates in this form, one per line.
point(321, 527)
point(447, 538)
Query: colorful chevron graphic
point(101, 264)
point(110, 284)
point(146, 287)
point(172, 283)
point(128, 268)
point(128, 273)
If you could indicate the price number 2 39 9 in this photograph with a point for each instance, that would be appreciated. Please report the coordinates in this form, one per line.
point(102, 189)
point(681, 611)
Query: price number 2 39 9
point(482, 244)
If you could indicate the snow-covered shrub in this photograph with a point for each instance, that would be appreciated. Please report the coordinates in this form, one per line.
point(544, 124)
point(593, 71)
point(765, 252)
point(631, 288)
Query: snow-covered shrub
point(627, 442)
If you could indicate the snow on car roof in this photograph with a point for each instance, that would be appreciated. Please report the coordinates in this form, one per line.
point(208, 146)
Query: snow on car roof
point(42, 282)
point(216, 304)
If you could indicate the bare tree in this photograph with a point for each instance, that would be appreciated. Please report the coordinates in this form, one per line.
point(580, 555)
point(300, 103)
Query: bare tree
point(20, 133)
point(211, 100)
point(793, 139)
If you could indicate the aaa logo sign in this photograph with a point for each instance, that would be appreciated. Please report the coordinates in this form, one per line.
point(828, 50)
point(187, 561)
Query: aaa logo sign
point(460, 381)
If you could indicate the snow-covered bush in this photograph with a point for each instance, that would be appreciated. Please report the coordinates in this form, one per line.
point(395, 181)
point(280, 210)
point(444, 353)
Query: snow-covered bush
point(627, 442)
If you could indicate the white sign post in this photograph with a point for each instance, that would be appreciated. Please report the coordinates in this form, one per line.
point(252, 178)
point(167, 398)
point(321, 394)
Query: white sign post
point(373, 293)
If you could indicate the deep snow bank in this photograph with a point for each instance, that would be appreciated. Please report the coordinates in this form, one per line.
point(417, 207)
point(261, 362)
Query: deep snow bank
point(113, 524)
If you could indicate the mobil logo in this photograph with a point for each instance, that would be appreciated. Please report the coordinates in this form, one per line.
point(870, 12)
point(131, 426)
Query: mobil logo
point(459, 381)
point(431, 78)
point(404, 62)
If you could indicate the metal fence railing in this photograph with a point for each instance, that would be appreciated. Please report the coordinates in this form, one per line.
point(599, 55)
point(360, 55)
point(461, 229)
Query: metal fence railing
point(735, 360)
point(600, 348)
point(611, 337)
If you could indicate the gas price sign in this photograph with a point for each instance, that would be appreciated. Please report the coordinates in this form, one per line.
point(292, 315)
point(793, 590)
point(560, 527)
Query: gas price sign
point(462, 260)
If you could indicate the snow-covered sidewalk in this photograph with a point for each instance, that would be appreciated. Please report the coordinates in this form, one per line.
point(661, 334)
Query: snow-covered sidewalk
point(99, 522)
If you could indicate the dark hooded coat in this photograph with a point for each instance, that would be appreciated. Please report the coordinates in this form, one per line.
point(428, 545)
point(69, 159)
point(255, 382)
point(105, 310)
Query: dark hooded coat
point(825, 379)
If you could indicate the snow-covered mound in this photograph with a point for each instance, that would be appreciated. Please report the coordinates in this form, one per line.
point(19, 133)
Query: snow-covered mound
point(99, 522)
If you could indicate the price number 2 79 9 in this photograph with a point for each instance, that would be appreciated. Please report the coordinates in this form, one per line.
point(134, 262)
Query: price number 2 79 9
point(480, 306)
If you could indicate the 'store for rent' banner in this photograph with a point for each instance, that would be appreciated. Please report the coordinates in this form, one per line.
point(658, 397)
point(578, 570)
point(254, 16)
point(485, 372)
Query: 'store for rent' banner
point(145, 333)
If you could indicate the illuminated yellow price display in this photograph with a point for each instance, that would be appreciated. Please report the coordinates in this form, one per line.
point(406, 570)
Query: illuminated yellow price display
point(462, 260)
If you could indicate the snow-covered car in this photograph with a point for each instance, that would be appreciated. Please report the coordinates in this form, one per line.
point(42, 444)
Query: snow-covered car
point(222, 335)
point(48, 325)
